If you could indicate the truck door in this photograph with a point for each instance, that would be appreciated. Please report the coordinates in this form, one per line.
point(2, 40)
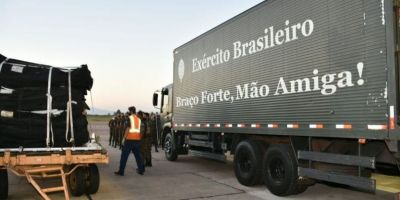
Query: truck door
point(166, 105)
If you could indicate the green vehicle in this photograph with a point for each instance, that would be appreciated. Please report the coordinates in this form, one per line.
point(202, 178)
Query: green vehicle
point(298, 91)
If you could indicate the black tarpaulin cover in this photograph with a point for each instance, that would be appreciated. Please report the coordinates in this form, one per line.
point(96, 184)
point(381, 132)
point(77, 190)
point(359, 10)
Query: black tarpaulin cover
point(30, 131)
point(23, 92)
point(36, 75)
point(33, 98)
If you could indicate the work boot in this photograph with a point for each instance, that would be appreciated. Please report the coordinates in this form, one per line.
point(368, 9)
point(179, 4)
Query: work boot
point(139, 172)
point(144, 169)
point(118, 173)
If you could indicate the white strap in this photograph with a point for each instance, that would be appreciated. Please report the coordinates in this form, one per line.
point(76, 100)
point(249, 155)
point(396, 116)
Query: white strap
point(52, 134)
point(70, 120)
point(2, 63)
point(49, 103)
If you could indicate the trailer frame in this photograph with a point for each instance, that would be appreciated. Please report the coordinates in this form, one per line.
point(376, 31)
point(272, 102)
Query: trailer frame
point(34, 163)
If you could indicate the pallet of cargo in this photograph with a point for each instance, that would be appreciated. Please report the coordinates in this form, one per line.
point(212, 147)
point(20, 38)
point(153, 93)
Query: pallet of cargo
point(76, 166)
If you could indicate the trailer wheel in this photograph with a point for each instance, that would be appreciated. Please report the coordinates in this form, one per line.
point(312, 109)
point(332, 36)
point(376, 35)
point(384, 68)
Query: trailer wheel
point(92, 179)
point(280, 171)
point(169, 147)
point(76, 182)
point(247, 162)
point(3, 184)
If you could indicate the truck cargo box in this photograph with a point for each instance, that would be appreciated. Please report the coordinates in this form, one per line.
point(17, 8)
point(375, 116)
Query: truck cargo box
point(301, 67)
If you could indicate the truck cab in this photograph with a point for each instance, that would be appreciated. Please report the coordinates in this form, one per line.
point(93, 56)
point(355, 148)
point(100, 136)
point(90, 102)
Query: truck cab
point(166, 115)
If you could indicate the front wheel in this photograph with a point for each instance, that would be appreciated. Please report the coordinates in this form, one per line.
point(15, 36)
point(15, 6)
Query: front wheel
point(169, 147)
point(3, 184)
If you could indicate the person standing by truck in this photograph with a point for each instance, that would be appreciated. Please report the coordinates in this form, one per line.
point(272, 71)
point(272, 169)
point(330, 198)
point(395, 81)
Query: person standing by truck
point(146, 141)
point(121, 129)
point(117, 130)
point(132, 138)
point(153, 131)
point(124, 125)
point(111, 127)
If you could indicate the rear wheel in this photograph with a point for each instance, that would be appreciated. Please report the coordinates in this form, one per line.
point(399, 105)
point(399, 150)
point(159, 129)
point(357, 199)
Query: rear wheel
point(3, 184)
point(76, 182)
point(92, 179)
point(247, 162)
point(169, 147)
point(280, 171)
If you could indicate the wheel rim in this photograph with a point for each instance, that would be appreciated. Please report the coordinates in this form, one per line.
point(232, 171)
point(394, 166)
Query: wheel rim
point(276, 170)
point(244, 162)
point(168, 145)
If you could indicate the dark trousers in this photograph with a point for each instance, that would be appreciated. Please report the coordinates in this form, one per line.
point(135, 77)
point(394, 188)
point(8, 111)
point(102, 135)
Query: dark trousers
point(111, 136)
point(134, 147)
point(155, 142)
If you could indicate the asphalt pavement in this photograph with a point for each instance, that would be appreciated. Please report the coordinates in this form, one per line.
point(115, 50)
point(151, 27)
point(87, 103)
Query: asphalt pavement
point(187, 178)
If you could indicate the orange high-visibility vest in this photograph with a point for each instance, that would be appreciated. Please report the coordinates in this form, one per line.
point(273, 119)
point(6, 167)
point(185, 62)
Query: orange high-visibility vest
point(134, 130)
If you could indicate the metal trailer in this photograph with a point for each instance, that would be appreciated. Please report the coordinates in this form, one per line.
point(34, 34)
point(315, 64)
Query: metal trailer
point(297, 90)
point(76, 166)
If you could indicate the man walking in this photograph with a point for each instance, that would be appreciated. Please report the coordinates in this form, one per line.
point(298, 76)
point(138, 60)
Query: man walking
point(132, 143)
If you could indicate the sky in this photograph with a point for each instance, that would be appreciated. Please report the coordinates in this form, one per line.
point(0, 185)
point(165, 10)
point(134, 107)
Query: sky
point(127, 45)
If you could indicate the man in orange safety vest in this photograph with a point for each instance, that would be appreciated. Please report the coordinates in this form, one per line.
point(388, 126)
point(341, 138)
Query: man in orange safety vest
point(132, 138)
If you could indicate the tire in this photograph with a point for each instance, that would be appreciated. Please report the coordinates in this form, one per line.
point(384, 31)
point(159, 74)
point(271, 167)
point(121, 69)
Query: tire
point(247, 162)
point(92, 179)
point(169, 147)
point(76, 182)
point(280, 171)
point(3, 184)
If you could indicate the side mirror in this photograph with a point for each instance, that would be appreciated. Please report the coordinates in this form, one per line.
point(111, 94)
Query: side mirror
point(155, 99)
